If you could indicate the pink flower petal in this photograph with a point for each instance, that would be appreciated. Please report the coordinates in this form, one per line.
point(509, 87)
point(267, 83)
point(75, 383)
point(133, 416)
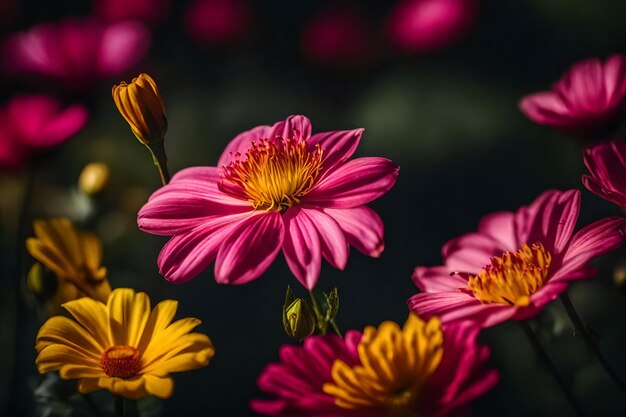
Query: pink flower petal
point(186, 255)
point(501, 227)
point(355, 183)
point(470, 253)
point(63, 126)
point(294, 127)
point(593, 240)
point(337, 146)
point(249, 249)
point(335, 249)
point(437, 279)
point(123, 45)
point(457, 305)
point(184, 204)
point(550, 219)
point(363, 228)
point(302, 248)
point(615, 81)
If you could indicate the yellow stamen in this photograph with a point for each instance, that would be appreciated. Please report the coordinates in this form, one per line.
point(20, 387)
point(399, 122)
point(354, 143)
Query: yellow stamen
point(121, 361)
point(276, 173)
point(513, 277)
point(395, 364)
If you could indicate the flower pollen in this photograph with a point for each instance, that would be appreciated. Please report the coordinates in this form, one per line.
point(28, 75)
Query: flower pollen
point(276, 173)
point(513, 277)
point(395, 365)
point(121, 361)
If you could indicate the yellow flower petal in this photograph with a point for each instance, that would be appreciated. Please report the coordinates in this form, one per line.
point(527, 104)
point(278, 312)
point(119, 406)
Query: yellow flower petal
point(64, 331)
point(159, 387)
point(160, 317)
point(55, 357)
point(128, 314)
point(192, 351)
point(92, 315)
point(131, 388)
point(80, 371)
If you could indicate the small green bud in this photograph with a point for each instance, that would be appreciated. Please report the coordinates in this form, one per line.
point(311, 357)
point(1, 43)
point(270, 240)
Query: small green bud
point(298, 319)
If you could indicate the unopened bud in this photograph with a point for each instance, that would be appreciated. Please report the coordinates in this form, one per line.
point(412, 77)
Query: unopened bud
point(41, 282)
point(94, 178)
point(299, 319)
point(619, 276)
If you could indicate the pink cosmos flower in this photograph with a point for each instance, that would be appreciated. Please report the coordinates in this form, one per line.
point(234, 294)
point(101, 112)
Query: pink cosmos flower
point(338, 37)
point(588, 100)
point(152, 12)
point(606, 162)
point(422, 26)
point(419, 369)
point(515, 263)
point(274, 187)
point(76, 52)
point(32, 123)
point(218, 22)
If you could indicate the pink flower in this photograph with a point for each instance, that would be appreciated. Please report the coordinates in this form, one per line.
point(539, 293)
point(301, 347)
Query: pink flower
point(515, 263)
point(422, 26)
point(587, 101)
point(274, 187)
point(76, 52)
point(152, 12)
point(419, 369)
point(218, 22)
point(32, 123)
point(338, 37)
point(606, 162)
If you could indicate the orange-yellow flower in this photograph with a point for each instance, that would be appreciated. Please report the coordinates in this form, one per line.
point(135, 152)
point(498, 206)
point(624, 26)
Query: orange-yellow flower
point(73, 256)
point(123, 346)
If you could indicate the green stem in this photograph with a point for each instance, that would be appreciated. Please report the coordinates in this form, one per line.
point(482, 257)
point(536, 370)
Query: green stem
point(159, 157)
point(120, 406)
point(589, 340)
point(336, 328)
point(545, 358)
point(316, 309)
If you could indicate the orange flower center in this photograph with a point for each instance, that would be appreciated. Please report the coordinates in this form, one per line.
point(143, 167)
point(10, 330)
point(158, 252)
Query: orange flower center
point(121, 361)
point(277, 173)
point(513, 277)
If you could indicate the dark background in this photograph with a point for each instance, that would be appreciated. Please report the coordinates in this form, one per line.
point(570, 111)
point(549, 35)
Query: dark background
point(449, 119)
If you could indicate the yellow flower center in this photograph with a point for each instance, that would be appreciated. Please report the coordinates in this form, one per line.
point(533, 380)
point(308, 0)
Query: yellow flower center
point(395, 364)
point(277, 173)
point(513, 277)
point(121, 361)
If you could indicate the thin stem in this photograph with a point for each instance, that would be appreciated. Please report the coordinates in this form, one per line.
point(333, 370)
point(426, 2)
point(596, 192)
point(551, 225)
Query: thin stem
point(159, 157)
point(316, 308)
point(589, 340)
point(336, 328)
point(120, 406)
point(543, 356)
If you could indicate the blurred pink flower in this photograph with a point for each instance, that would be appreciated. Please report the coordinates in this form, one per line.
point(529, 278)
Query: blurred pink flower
point(151, 12)
point(451, 373)
point(588, 100)
point(515, 263)
point(32, 123)
point(218, 22)
point(274, 187)
point(76, 52)
point(338, 37)
point(606, 162)
point(422, 26)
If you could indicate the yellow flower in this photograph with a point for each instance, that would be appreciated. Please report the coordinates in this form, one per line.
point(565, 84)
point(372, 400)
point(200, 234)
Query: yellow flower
point(123, 346)
point(395, 364)
point(74, 257)
point(140, 103)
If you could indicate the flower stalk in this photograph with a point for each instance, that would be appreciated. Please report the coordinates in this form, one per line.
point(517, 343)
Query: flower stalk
point(543, 356)
point(581, 329)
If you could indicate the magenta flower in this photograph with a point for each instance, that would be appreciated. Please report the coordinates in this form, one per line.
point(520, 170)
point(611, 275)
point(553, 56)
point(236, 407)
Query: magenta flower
point(274, 187)
point(151, 12)
point(588, 100)
point(339, 37)
point(32, 123)
point(76, 52)
point(218, 22)
point(422, 26)
point(418, 369)
point(606, 162)
point(515, 263)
